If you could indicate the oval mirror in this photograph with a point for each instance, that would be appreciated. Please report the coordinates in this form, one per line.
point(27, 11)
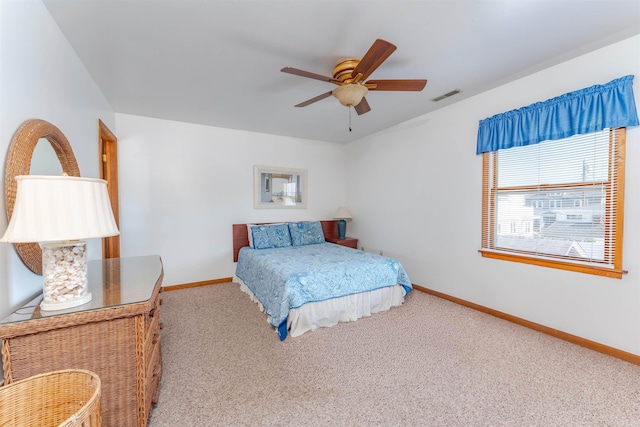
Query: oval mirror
point(19, 159)
point(44, 160)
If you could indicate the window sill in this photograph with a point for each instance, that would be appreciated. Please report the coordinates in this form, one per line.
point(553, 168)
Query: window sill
point(562, 265)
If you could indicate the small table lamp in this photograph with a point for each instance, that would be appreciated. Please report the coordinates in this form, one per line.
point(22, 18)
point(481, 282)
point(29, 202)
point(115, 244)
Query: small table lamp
point(57, 212)
point(342, 214)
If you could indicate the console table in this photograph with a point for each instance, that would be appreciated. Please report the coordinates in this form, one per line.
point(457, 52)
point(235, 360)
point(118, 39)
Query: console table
point(116, 335)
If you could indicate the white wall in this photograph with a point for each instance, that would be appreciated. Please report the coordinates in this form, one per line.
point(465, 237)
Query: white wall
point(415, 192)
point(42, 77)
point(182, 186)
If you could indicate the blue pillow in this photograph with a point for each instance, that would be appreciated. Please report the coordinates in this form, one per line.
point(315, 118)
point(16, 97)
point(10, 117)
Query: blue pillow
point(306, 233)
point(270, 236)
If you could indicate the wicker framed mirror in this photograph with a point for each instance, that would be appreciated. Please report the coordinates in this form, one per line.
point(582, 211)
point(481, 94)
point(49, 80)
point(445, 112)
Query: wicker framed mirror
point(19, 163)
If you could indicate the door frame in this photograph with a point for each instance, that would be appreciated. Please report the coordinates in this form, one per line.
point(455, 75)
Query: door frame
point(108, 151)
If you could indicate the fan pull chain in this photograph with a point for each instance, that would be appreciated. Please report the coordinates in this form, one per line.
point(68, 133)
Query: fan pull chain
point(349, 118)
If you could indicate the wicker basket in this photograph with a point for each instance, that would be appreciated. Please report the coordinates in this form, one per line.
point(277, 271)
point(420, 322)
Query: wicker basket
point(63, 398)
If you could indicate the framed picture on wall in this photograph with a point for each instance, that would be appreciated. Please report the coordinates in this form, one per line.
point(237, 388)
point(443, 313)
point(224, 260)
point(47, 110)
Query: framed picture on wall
point(279, 188)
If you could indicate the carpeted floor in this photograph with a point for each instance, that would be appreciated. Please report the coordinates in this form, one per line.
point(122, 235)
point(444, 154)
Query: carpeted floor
point(429, 362)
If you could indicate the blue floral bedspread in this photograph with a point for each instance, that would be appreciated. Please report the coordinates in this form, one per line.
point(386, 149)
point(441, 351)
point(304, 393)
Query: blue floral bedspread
point(289, 277)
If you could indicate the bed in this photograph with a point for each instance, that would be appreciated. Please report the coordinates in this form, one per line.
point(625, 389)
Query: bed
point(302, 282)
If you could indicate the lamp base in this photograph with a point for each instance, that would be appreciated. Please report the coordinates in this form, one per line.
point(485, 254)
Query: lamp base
point(342, 229)
point(51, 306)
point(64, 270)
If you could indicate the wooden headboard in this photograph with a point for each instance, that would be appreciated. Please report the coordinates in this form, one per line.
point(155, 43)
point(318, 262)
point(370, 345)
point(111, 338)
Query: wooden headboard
point(241, 236)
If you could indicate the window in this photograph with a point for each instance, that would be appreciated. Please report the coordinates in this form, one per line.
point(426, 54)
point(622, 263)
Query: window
point(579, 225)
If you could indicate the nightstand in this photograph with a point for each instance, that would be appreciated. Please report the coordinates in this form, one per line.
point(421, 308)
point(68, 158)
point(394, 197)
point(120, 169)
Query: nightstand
point(349, 242)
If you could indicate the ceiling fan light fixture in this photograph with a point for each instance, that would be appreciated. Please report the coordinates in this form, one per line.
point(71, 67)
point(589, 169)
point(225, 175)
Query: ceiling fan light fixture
point(350, 95)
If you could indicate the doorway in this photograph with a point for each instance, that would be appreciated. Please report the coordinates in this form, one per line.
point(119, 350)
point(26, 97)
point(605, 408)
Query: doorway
point(108, 149)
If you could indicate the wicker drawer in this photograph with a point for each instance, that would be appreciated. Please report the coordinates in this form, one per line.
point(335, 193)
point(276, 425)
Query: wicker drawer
point(152, 356)
point(153, 313)
point(154, 372)
point(152, 330)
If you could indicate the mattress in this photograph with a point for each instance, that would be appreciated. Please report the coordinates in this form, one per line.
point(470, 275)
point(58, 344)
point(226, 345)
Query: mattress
point(284, 281)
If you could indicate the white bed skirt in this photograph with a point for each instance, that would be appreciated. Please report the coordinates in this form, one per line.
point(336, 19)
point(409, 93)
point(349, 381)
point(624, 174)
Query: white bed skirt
point(312, 316)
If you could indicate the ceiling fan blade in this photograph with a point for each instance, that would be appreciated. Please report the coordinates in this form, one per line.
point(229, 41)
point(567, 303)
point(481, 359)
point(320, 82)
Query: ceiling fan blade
point(316, 99)
point(363, 107)
point(376, 55)
point(402, 85)
point(302, 73)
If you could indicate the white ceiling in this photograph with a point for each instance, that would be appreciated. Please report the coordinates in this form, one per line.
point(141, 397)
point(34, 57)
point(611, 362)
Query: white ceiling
point(218, 62)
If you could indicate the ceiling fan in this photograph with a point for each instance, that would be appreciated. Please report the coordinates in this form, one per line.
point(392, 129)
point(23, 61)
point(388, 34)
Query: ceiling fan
point(349, 74)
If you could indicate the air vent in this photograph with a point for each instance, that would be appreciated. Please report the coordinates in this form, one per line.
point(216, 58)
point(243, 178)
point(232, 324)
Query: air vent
point(446, 95)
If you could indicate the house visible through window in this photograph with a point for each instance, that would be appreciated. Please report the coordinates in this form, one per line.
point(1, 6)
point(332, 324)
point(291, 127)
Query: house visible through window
point(557, 203)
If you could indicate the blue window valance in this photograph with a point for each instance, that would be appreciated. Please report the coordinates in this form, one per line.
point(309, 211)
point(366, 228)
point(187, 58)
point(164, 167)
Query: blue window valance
point(592, 109)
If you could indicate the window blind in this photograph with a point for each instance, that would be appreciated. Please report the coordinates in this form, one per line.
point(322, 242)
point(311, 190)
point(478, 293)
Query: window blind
point(559, 201)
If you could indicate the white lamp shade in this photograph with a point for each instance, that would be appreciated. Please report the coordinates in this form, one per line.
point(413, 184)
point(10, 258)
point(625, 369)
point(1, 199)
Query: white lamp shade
point(59, 208)
point(342, 213)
